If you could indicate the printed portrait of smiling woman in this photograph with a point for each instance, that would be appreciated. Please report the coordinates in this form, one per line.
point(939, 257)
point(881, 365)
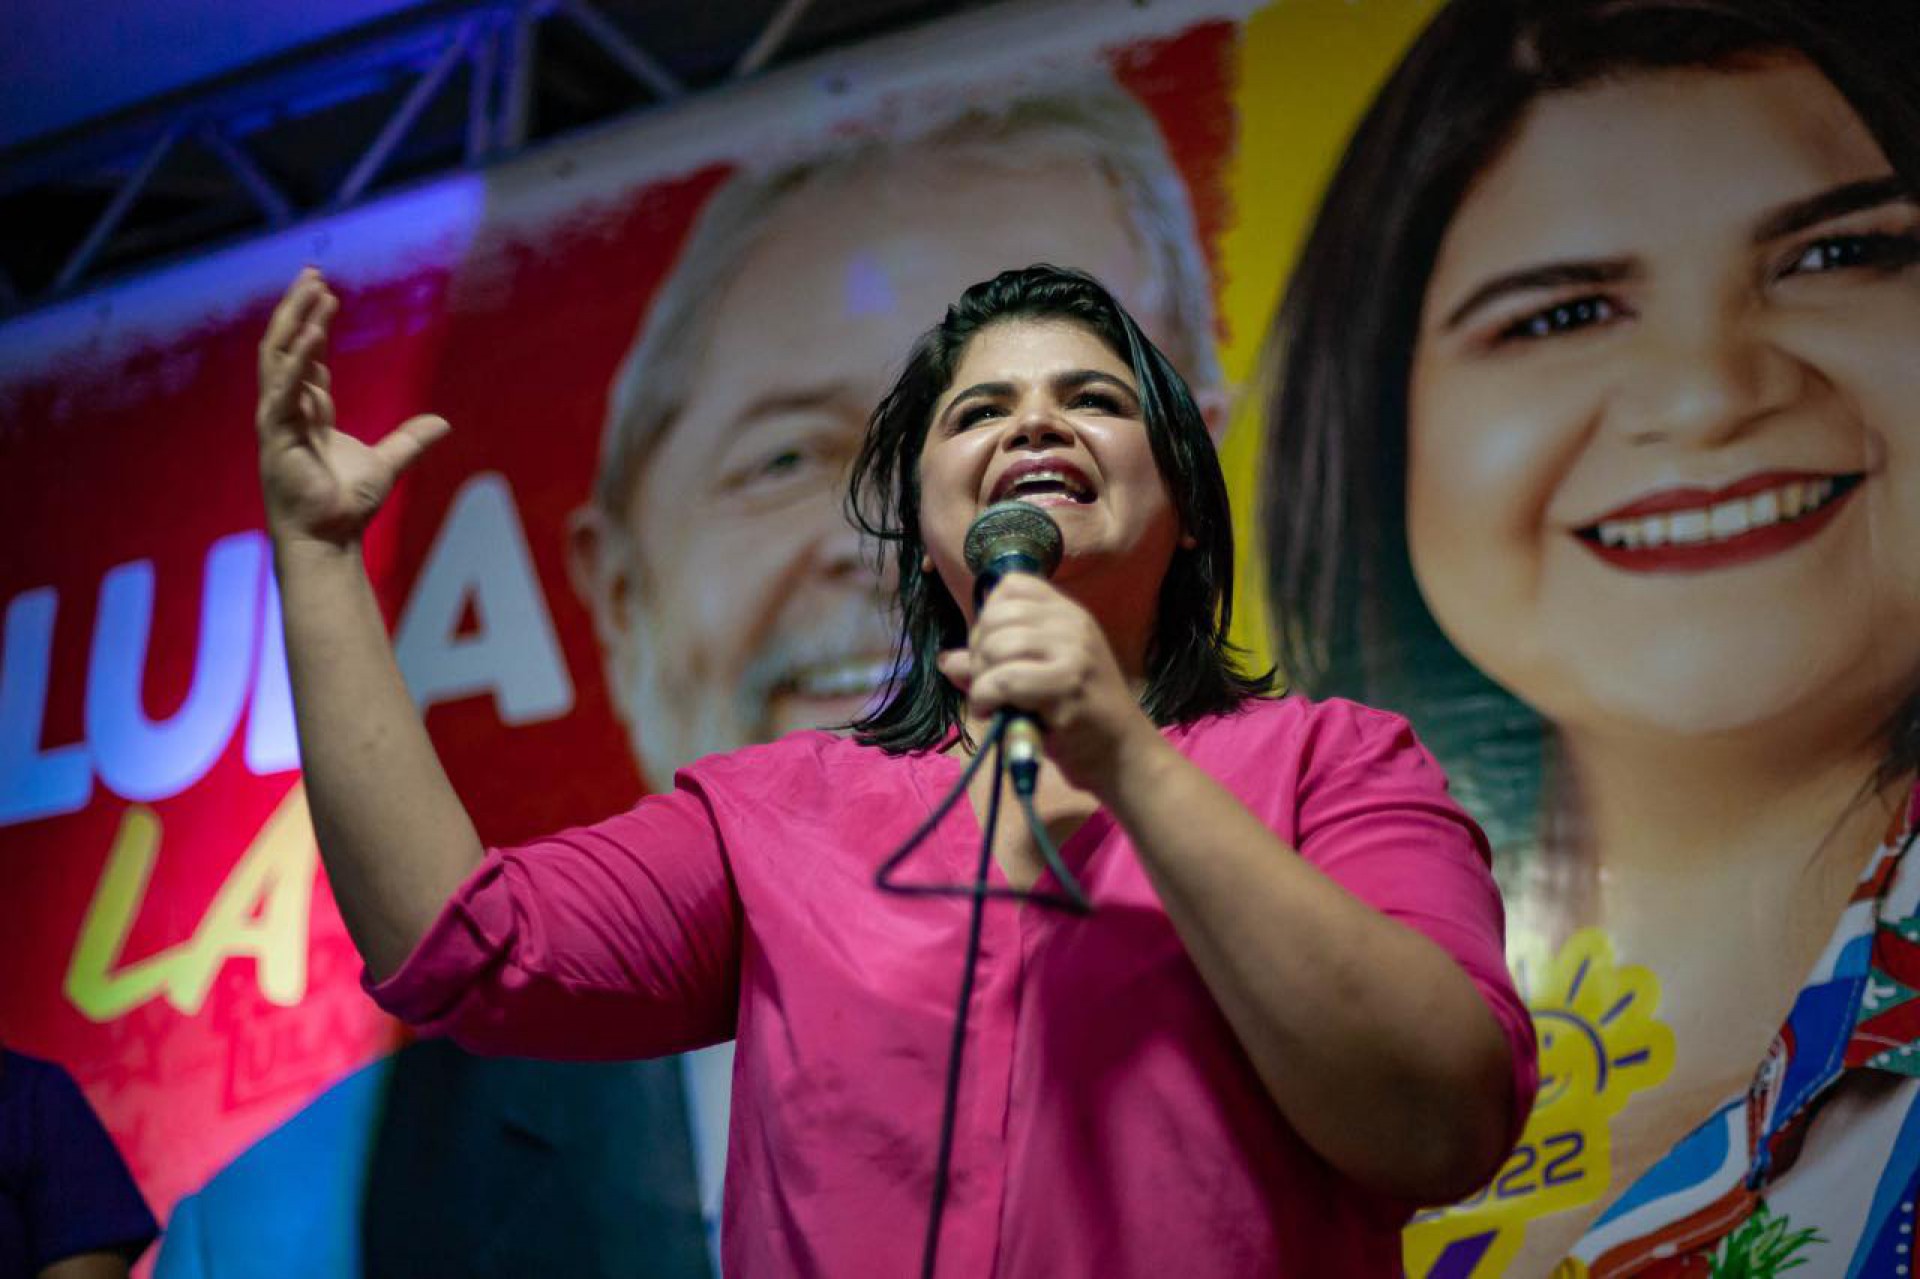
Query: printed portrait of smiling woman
point(1596, 449)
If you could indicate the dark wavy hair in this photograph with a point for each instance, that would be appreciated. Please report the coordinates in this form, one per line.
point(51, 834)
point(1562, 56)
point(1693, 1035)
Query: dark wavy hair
point(1191, 666)
point(1349, 618)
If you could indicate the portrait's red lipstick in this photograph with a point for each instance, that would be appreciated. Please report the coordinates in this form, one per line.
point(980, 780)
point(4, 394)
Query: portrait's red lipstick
point(1692, 529)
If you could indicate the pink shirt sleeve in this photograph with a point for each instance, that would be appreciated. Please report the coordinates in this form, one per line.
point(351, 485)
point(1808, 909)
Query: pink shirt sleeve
point(1374, 815)
point(615, 940)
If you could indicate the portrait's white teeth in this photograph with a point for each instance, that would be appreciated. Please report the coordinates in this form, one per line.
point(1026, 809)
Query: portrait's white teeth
point(1719, 522)
point(1728, 519)
point(842, 679)
point(1688, 528)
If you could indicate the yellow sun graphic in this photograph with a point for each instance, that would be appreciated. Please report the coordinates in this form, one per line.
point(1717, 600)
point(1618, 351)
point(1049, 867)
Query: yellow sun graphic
point(1600, 1043)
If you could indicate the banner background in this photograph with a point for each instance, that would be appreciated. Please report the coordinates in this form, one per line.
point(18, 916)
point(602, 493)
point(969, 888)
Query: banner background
point(170, 937)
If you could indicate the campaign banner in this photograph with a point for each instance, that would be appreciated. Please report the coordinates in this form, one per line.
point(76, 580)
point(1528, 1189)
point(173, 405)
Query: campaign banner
point(1588, 427)
point(658, 344)
point(1568, 355)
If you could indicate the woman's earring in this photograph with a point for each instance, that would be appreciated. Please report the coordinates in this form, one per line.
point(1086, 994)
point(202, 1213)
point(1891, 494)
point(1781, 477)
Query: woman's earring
point(926, 563)
point(1189, 542)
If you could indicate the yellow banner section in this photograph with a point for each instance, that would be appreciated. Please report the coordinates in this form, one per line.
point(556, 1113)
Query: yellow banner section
point(1307, 70)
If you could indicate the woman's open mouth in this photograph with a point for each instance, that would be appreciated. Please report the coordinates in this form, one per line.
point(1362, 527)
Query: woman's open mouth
point(1043, 483)
point(1694, 530)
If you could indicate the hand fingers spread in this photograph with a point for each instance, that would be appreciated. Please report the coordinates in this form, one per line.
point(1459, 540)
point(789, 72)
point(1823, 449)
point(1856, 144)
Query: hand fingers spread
point(290, 315)
point(298, 333)
point(281, 392)
point(324, 310)
point(317, 328)
point(405, 443)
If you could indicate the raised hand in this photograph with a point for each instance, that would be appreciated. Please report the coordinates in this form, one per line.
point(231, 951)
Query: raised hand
point(320, 484)
point(393, 833)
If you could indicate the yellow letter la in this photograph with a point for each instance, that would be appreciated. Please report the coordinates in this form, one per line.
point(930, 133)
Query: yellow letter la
point(261, 911)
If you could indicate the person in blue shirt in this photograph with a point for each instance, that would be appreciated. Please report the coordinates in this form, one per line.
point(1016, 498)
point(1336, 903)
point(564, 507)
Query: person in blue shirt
point(69, 1208)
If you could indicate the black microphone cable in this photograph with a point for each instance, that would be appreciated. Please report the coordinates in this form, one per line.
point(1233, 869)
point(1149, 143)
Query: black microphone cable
point(1007, 537)
point(1071, 898)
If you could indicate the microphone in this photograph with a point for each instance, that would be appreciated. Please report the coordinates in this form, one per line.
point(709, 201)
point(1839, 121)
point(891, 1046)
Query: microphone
point(1013, 537)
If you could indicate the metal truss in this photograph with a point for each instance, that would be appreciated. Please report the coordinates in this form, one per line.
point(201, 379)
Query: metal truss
point(456, 84)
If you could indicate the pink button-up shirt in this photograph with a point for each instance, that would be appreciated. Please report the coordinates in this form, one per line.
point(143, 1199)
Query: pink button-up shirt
point(1109, 1123)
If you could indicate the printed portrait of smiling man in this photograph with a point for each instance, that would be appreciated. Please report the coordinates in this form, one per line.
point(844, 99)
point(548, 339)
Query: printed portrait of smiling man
point(732, 600)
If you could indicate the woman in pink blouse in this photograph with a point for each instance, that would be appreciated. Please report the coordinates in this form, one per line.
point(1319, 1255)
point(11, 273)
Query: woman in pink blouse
point(1286, 1022)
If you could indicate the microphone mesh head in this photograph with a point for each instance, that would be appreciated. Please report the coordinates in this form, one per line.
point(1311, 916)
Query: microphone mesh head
point(1013, 526)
